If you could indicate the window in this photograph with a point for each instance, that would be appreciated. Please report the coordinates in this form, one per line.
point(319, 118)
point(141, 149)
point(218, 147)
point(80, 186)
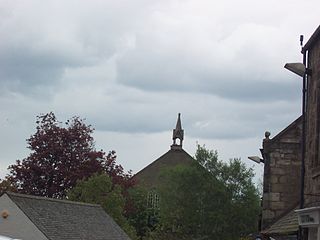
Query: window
point(153, 200)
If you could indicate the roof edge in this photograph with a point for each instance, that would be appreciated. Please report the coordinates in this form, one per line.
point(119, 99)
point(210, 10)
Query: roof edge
point(49, 199)
point(292, 208)
point(22, 210)
point(284, 131)
point(312, 39)
point(280, 234)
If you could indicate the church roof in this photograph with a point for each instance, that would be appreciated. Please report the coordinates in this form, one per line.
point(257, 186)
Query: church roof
point(149, 176)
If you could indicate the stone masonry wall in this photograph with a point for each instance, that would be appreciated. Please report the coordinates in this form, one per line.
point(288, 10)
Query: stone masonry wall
point(282, 156)
point(312, 161)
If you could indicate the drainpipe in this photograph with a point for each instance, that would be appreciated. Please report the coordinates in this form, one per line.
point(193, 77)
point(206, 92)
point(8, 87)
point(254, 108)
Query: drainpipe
point(303, 142)
point(303, 137)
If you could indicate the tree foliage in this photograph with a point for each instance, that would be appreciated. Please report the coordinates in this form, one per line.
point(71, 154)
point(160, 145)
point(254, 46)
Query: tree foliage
point(6, 186)
point(62, 154)
point(137, 212)
point(210, 199)
point(245, 198)
point(244, 195)
point(99, 189)
point(193, 203)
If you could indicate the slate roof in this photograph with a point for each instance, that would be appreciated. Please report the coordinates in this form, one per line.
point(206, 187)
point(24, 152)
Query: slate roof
point(67, 220)
point(286, 225)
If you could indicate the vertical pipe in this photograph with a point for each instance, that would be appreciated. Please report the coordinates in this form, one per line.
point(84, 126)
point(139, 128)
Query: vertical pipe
point(303, 142)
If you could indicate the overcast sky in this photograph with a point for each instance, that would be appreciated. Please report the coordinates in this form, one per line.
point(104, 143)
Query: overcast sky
point(129, 67)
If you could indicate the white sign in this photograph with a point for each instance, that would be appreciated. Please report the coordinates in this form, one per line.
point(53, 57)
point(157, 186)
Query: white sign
point(309, 218)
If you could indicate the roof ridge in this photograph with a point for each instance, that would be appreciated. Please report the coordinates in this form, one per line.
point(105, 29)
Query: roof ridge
point(51, 199)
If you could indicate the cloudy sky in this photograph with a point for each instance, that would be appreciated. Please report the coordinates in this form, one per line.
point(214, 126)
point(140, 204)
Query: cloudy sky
point(129, 67)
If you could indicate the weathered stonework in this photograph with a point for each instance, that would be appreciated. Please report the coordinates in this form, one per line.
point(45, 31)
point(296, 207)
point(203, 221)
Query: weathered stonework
point(312, 161)
point(282, 161)
point(288, 224)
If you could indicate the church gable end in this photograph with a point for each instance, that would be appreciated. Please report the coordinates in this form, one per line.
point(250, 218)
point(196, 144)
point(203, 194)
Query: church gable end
point(149, 176)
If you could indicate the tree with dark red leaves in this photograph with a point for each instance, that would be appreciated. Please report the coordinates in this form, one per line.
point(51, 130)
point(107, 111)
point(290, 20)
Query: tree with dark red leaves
point(60, 156)
point(116, 171)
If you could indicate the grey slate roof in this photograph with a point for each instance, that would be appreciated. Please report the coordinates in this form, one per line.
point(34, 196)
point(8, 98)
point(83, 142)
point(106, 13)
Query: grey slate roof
point(67, 220)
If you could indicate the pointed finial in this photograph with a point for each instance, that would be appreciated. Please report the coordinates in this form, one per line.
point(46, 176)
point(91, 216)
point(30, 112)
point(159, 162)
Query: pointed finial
point(178, 125)
point(267, 135)
point(177, 134)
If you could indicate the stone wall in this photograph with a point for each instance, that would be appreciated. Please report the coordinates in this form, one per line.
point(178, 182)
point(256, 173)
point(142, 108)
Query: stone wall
point(281, 188)
point(312, 161)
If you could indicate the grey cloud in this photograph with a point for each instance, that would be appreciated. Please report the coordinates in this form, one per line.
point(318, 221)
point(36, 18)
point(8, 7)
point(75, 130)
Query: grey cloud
point(25, 68)
point(121, 109)
point(260, 91)
point(173, 76)
point(39, 42)
point(21, 71)
point(242, 68)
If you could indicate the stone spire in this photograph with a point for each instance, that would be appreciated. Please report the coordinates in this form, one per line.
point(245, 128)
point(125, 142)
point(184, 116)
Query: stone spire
point(177, 134)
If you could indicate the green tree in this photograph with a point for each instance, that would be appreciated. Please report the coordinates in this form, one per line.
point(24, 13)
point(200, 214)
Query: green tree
point(99, 189)
point(137, 211)
point(193, 203)
point(244, 195)
point(209, 199)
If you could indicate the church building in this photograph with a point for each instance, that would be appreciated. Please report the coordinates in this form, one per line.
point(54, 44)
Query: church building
point(149, 177)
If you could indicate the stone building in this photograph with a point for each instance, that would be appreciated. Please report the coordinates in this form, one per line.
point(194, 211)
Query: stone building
point(312, 159)
point(282, 163)
point(309, 216)
point(307, 213)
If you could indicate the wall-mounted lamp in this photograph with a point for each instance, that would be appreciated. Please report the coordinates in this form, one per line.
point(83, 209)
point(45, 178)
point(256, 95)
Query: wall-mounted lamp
point(298, 68)
point(256, 159)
